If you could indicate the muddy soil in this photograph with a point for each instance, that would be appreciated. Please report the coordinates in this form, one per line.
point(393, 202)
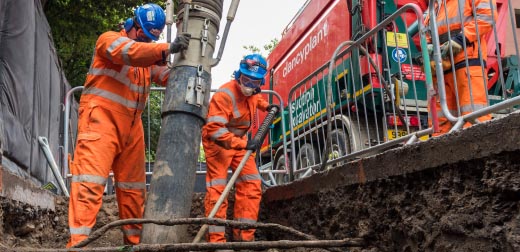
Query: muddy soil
point(466, 206)
point(25, 226)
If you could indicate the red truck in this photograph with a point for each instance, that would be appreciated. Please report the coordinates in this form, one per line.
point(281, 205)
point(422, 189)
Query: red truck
point(378, 92)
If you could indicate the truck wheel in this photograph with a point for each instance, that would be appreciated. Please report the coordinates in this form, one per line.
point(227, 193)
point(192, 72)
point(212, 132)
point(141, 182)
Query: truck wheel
point(340, 147)
point(281, 178)
point(307, 157)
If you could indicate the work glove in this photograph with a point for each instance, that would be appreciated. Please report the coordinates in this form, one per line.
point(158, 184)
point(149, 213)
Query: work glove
point(180, 43)
point(456, 46)
point(252, 145)
point(270, 106)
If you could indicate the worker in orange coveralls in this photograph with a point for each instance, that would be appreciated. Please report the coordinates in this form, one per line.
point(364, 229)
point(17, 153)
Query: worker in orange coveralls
point(460, 27)
point(110, 131)
point(231, 110)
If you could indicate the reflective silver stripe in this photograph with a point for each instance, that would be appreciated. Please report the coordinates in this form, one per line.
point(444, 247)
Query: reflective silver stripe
point(449, 22)
point(218, 119)
point(126, 48)
point(115, 98)
point(238, 132)
point(470, 108)
point(483, 6)
point(164, 73)
point(115, 44)
point(161, 71)
point(216, 229)
point(80, 231)
point(484, 18)
point(248, 177)
point(130, 185)
point(215, 182)
point(246, 220)
point(119, 76)
point(219, 133)
point(89, 178)
point(129, 232)
point(235, 122)
point(232, 96)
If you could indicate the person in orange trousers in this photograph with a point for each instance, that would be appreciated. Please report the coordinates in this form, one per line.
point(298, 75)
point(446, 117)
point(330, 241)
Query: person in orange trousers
point(225, 142)
point(462, 26)
point(110, 131)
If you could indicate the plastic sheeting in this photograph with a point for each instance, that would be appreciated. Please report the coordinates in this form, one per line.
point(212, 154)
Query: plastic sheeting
point(33, 87)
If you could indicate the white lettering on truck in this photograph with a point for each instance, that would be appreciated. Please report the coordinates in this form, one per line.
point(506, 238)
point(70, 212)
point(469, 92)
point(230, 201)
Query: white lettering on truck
point(304, 107)
point(301, 56)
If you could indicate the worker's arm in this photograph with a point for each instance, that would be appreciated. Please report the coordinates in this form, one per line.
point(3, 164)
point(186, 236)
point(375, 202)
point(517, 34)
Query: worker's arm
point(219, 114)
point(262, 104)
point(483, 16)
point(122, 50)
point(160, 74)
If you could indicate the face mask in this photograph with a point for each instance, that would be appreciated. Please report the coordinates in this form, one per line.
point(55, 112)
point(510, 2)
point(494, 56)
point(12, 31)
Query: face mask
point(247, 91)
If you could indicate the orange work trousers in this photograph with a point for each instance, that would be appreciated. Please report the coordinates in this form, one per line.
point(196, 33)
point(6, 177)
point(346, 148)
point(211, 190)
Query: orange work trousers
point(107, 140)
point(471, 96)
point(248, 190)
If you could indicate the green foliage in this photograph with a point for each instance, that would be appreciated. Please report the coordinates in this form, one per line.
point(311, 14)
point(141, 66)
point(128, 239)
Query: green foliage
point(152, 123)
point(268, 48)
point(202, 155)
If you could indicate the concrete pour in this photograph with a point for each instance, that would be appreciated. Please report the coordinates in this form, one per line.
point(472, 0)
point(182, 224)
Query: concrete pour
point(452, 193)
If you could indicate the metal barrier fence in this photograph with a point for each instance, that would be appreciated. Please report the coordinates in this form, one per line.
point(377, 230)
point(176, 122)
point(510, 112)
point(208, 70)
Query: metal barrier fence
point(149, 135)
point(360, 102)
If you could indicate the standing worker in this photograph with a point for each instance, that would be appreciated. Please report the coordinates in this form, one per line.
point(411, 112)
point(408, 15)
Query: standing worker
point(231, 111)
point(462, 26)
point(110, 131)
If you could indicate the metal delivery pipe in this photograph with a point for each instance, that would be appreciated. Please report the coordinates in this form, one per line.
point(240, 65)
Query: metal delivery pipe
point(183, 114)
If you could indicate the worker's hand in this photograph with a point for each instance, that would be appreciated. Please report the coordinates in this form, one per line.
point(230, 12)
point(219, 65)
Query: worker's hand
point(273, 106)
point(180, 43)
point(252, 145)
point(456, 46)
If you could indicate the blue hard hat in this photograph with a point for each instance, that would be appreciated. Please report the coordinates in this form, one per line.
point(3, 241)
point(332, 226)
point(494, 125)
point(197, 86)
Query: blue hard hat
point(152, 19)
point(254, 66)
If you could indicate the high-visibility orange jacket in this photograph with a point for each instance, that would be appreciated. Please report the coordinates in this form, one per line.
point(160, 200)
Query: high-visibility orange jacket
point(110, 131)
point(456, 16)
point(229, 116)
point(224, 139)
point(122, 71)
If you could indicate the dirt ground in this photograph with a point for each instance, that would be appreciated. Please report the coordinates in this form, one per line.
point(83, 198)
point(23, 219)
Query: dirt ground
point(28, 227)
point(469, 206)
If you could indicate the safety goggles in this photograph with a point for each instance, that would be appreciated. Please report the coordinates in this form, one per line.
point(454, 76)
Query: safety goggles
point(249, 82)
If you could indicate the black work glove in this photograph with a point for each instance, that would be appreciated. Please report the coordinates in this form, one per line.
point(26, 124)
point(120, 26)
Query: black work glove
point(252, 145)
point(180, 43)
point(273, 106)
